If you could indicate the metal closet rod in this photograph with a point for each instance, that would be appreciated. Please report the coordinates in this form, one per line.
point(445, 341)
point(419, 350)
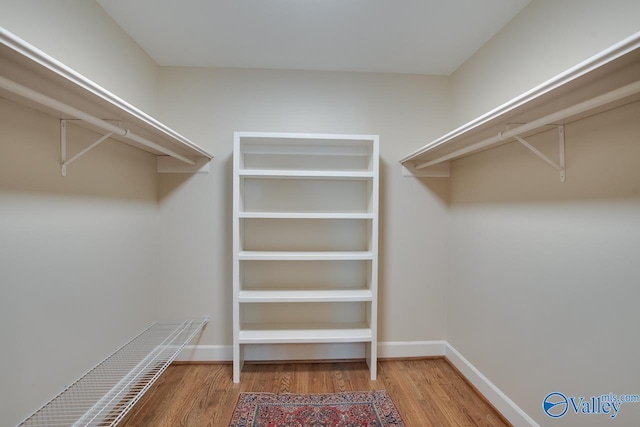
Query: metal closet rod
point(49, 102)
point(582, 107)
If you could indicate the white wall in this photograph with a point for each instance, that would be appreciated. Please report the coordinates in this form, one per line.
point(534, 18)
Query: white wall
point(208, 105)
point(78, 254)
point(543, 276)
point(82, 36)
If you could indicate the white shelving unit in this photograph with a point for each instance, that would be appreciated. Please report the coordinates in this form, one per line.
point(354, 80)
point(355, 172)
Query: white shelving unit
point(31, 77)
point(607, 80)
point(305, 241)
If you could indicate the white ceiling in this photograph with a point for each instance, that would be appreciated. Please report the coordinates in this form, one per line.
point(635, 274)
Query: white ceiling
point(399, 36)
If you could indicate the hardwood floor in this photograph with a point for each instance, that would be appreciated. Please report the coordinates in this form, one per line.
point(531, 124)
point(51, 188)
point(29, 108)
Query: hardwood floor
point(427, 392)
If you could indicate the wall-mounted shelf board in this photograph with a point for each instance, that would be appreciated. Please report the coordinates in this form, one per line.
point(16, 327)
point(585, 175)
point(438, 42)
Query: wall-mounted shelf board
point(607, 80)
point(265, 333)
point(31, 77)
point(342, 295)
point(304, 174)
point(305, 215)
point(305, 256)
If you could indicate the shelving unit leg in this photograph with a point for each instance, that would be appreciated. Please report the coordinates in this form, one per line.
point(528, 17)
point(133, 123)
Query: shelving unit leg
point(372, 360)
point(238, 361)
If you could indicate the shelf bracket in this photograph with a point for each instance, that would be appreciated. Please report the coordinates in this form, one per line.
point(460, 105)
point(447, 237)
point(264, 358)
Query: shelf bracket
point(560, 167)
point(440, 170)
point(63, 146)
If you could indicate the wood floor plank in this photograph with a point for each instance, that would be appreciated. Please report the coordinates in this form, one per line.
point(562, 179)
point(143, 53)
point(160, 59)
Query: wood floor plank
point(427, 392)
point(401, 391)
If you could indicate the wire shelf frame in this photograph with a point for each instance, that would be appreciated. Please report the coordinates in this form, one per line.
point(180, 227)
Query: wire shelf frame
point(105, 394)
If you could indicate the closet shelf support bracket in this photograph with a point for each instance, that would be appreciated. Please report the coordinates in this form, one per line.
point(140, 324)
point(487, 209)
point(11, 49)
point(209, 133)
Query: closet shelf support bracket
point(560, 166)
point(63, 147)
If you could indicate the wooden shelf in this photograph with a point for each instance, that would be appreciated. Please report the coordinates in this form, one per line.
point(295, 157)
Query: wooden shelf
point(31, 77)
point(269, 333)
point(307, 144)
point(294, 150)
point(335, 295)
point(305, 215)
point(308, 174)
point(305, 256)
point(605, 81)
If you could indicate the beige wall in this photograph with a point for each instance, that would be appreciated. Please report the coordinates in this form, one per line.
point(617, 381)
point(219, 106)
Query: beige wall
point(82, 36)
point(78, 254)
point(545, 39)
point(543, 276)
point(543, 289)
point(208, 105)
point(535, 265)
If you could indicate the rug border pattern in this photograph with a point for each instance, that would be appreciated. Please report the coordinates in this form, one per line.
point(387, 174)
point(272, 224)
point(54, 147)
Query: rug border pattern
point(247, 404)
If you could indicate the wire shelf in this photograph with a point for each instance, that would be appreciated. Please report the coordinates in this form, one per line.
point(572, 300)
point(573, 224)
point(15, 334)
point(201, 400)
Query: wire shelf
point(104, 395)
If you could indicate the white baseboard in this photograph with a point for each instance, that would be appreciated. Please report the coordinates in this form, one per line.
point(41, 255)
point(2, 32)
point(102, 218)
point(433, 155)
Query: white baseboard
point(393, 349)
point(493, 394)
point(400, 349)
point(206, 353)
point(264, 352)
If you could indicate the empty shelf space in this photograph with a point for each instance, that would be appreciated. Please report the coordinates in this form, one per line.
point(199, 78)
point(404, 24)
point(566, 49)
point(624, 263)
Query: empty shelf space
point(305, 256)
point(286, 144)
point(336, 295)
point(304, 333)
point(304, 195)
point(311, 150)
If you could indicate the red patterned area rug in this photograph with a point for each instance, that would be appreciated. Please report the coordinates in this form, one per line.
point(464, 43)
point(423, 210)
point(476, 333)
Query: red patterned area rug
point(356, 409)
